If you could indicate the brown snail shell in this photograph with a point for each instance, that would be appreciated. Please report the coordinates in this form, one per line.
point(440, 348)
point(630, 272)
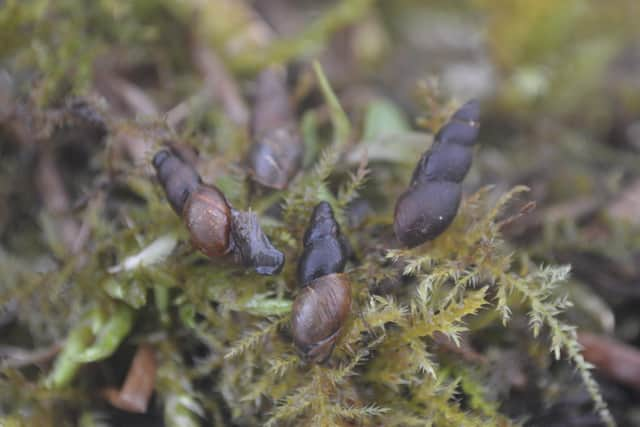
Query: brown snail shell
point(207, 215)
point(216, 229)
point(276, 153)
point(431, 202)
point(319, 312)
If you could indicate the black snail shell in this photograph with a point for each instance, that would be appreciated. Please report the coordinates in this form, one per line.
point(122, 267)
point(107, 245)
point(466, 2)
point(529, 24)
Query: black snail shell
point(216, 229)
point(253, 246)
point(276, 153)
point(177, 179)
point(324, 301)
point(431, 202)
point(324, 252)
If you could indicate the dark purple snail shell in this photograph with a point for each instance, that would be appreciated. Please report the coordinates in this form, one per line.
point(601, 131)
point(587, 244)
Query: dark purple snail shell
point(425, 211)
point(448, 162)
point(431, 202)
point(324, 252)
point(469, 112)
point(323, 303)
point(177, 179)
point(276, 153)
point(457, 132)
point(252, 245)
point(216, 229)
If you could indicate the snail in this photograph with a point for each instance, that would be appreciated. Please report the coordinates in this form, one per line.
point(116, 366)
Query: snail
point(276, 153)
point(324, 301)
point(216, 228)
point(431, 202)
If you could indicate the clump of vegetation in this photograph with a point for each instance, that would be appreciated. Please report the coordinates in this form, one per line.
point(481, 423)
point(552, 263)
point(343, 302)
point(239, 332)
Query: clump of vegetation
point(105, 303)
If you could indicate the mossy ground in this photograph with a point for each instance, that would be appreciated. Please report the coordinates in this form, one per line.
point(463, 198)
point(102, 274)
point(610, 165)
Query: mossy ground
point(478, 327)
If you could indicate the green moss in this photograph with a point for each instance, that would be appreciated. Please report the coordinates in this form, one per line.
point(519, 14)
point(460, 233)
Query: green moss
point(222, 333)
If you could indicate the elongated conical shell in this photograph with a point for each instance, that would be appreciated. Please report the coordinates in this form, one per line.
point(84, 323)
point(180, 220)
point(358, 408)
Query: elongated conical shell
point(431, 202)
point(324, 300)
point(423, 212)
point(276, 153)
point(324, 252)
point(447, 163)
point(178, 179)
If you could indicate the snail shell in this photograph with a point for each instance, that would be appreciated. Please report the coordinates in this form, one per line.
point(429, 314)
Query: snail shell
point(324, 252)
point(207, 215)
point(216, 229)
point(276, 153)
point(252, 245)
point(324, 301)
point(431, 202)
point(447, 162)
point(423, 212)
point(319, 313)
point(177, 179)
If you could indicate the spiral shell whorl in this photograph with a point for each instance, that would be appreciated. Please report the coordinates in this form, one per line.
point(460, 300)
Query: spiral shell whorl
point(324, 301)
point(276, 153)
point(178, 179)
point(324, 252)
point(207, 215)
point(318, 315)
point(431, 202)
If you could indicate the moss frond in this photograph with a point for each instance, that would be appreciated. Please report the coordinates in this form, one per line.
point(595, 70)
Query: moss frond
point(292, 406)
point(357, 413)
point(446, 277)
point(307, 191)
point(223, 346)
point(476, 393)
point(349, 191)
point(256, 338)
point(544, 311)
point(449, 320)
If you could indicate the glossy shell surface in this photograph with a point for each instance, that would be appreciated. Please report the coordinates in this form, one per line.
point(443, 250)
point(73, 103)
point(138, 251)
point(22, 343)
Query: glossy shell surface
point(207, 215)
point(424, 211)
point(319, 313)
